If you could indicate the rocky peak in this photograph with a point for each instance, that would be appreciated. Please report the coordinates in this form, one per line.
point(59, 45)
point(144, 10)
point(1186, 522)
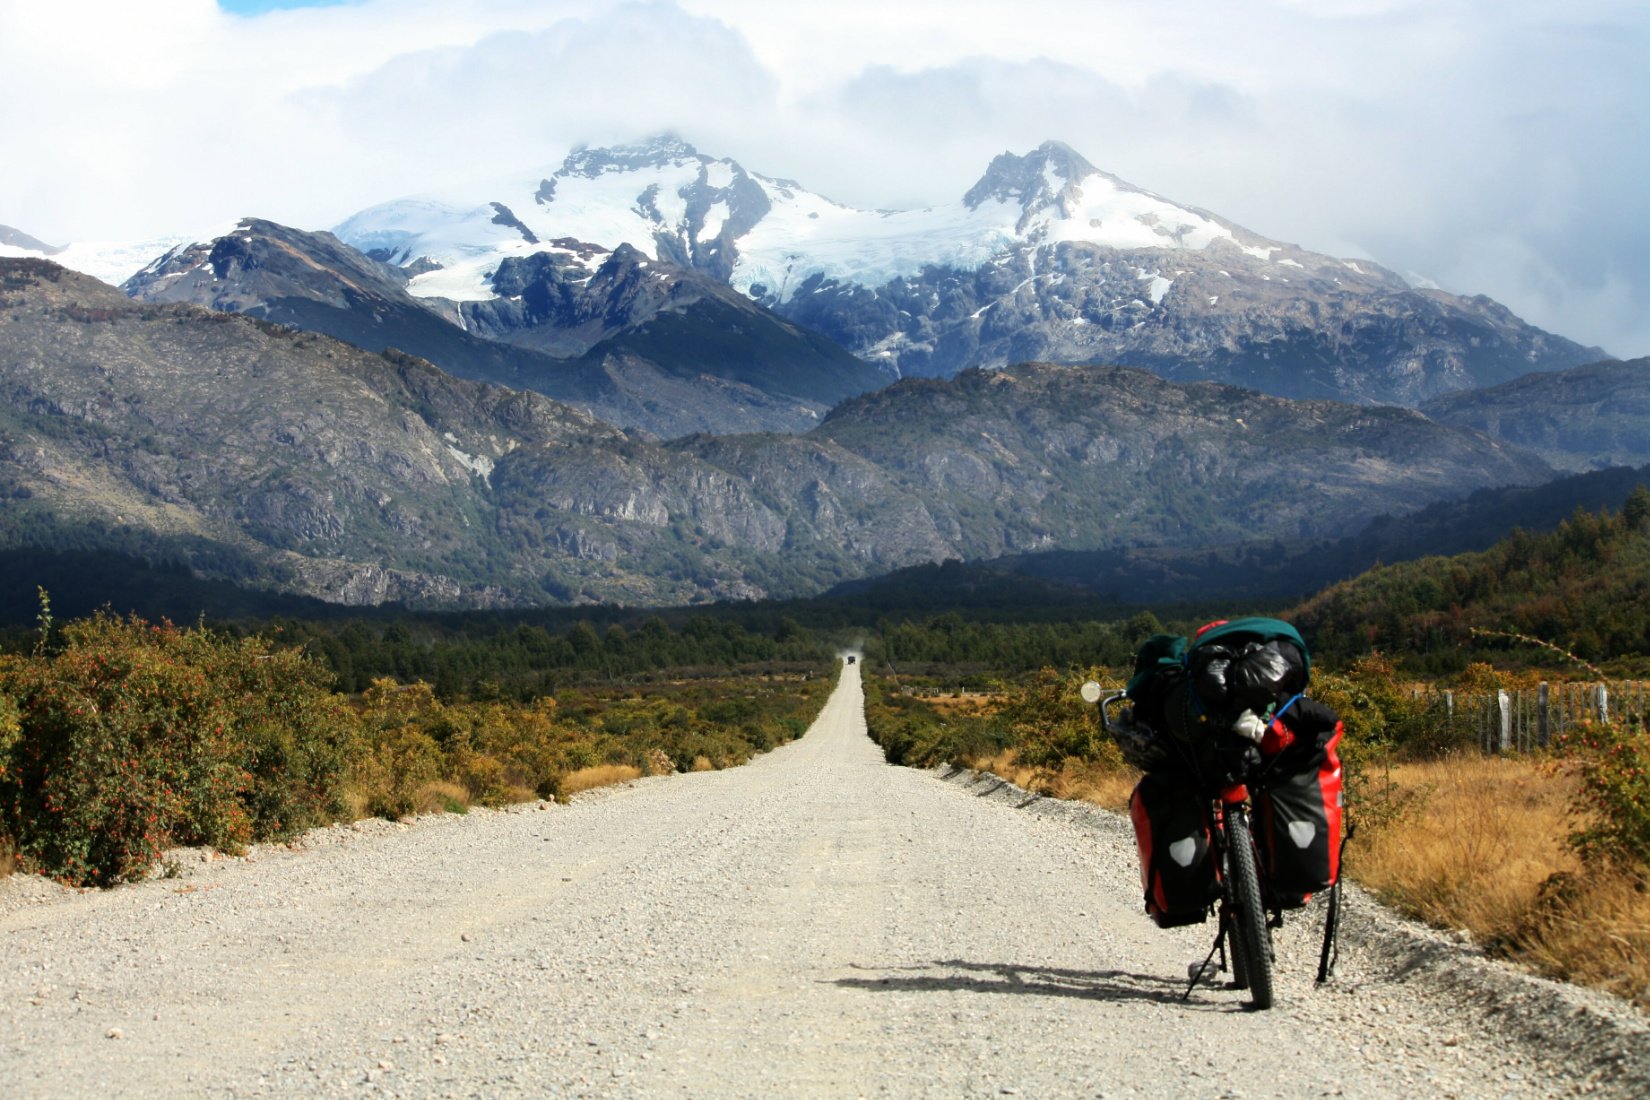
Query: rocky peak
point(658, 151)
point(1049, 173)
point(260, 262)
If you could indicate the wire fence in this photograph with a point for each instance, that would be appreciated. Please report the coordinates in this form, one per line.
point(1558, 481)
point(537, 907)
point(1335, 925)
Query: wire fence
point(1534, 718)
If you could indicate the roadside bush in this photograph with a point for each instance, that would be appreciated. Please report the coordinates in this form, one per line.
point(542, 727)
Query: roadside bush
point(911, 732)
point(122, 738)
point(132, 737)
point(1049, 723)
point(1612, 762)
point(297, 740)
point(10, 731)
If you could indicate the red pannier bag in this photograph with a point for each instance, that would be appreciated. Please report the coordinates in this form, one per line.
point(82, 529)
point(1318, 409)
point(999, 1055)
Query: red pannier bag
point(1299, 805)
point(1177, 869)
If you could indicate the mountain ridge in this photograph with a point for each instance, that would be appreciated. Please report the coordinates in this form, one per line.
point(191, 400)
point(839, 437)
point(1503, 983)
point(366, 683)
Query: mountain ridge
point(1588, 417)
point(639, 343)
point(254, 451)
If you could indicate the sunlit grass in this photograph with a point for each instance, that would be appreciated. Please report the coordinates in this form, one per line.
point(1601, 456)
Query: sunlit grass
point(1077, 779)
point(442, 797)
point(1482, 847)
point(1482, 836)
point(601, 775)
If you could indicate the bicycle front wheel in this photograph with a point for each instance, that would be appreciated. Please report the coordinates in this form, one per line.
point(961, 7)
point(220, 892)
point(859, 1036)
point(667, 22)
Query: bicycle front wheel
point(1253, 941)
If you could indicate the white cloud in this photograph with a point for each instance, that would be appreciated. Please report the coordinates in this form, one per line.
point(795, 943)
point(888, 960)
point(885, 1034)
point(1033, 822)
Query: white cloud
point(1498, 146)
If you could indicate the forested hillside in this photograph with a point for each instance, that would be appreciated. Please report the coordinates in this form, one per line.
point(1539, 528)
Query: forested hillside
point(1581, 587)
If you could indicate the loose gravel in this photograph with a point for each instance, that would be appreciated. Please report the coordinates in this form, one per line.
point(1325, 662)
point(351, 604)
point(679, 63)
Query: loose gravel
point(816, 923)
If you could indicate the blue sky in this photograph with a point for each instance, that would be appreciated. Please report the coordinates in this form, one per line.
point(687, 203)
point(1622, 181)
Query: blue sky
point(1497, 147)
point(258, 7)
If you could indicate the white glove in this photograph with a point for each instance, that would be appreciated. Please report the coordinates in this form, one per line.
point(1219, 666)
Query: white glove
point(1250, 725)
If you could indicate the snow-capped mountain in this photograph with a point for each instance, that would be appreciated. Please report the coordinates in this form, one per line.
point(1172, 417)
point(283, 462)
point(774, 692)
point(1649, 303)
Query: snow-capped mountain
point(252, 450)
point(1045, 257)
point(770, 237)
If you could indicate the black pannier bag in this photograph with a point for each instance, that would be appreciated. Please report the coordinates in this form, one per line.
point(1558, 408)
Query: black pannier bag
point(1177, 869)
point(1299, 807)
point(1246, 670)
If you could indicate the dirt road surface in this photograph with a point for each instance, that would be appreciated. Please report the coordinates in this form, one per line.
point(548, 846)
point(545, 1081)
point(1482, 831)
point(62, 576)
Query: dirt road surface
point(816, 923)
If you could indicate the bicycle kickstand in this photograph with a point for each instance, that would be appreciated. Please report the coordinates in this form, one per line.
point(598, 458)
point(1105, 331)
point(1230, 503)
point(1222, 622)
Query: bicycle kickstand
point(1202, 971)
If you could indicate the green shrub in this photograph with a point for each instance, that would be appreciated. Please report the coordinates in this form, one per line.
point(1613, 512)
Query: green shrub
point(1612, 760)
point(297, 741)
point(131, 737)
point(915, 734)
point(119, 739)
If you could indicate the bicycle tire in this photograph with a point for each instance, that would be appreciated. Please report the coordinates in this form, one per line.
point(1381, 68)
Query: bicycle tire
point(1249, 915)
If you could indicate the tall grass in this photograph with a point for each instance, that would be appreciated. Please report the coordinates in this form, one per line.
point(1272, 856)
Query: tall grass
point(1485, 846)
point(1100, 783)
point(1479, 840)
point(603, 775)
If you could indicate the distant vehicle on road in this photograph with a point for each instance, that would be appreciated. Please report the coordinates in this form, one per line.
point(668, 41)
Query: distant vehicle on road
point(850, 658)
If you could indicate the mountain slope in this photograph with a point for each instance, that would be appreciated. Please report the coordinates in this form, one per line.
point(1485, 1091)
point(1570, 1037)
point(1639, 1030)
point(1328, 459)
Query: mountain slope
point(1107, 456)
point(1259, 572)
point(248, 449)
point(1044, 258)
point(1581, 419)
point(16, 244)
point(637, 343)
point(254, 452)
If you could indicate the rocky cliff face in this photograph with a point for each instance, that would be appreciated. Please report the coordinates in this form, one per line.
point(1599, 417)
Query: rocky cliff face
point(290, 459)
point(221, 439)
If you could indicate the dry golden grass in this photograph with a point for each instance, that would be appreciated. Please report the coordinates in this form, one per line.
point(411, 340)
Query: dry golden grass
point(8, 859)
point(354, 801)
point(602, 775)
point(1484, 835)
point(1074, 779)
point(1483, 849)
point(1593, 930)
point(703, 764)
point(434, 798)
point(966, 704)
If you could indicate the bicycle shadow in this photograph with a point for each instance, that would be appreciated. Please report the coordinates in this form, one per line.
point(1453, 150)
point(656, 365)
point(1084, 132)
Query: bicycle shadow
point(951, 975)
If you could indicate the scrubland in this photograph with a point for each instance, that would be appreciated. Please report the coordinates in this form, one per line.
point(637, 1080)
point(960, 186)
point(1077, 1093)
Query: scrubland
point(120, 739)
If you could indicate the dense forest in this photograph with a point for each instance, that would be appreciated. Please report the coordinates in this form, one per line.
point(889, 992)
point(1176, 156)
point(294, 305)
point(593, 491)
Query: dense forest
point(1583, 587)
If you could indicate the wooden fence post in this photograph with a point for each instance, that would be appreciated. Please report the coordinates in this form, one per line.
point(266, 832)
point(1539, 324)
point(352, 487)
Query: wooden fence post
point(1503, 703)
point(1603, 703)
point(1543, 719)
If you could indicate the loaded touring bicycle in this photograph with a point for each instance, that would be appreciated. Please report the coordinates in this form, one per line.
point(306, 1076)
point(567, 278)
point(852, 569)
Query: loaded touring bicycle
point(1239, 811)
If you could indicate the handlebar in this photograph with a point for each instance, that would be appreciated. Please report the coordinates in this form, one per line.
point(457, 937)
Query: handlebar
point(1092, 693)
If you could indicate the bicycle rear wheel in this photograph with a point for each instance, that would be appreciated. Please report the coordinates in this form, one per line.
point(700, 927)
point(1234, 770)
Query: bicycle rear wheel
point(1252, 940)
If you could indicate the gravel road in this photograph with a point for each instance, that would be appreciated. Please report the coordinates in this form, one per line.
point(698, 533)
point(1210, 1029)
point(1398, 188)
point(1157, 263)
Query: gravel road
point(816, 923)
